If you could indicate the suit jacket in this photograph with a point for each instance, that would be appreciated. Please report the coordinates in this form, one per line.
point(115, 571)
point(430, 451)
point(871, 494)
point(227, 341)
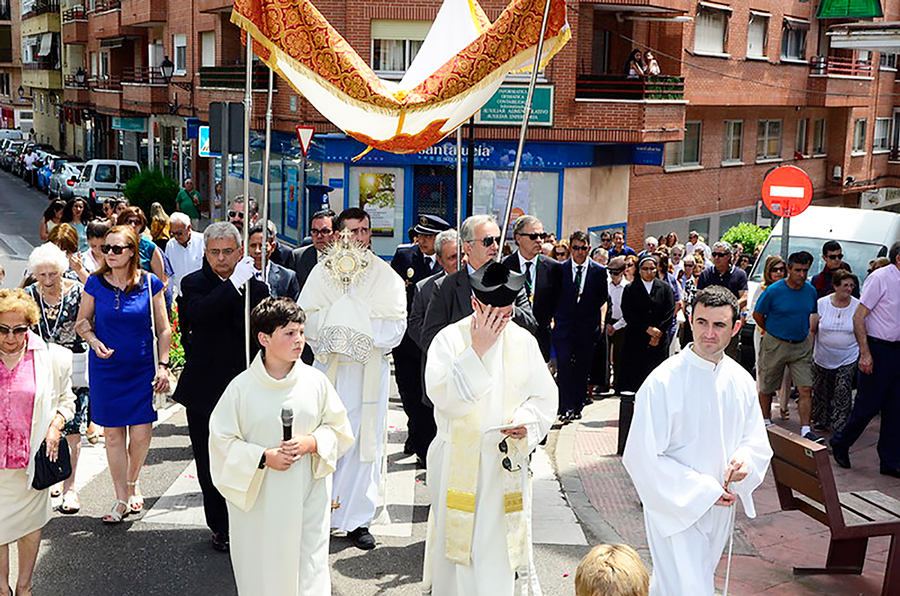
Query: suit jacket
point(548, 279)
point(642, 310)
point(424, 290)
point(579, 320)
point(305, 258)
point(283, 255)
point(452, 302)
point(211, 316)
point(412, 266)
point(282, 282)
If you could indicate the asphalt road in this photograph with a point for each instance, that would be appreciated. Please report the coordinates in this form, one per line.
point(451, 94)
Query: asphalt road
point(21, 209)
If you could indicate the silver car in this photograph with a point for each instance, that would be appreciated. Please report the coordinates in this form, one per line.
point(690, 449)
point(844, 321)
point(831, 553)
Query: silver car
point(62, 181)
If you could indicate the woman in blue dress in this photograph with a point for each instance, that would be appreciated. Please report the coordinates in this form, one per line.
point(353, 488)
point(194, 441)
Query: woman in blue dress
point(115, 320)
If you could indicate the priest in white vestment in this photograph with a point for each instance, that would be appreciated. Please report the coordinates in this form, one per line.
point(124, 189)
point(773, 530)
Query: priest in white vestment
point(278, 492)
point(356, 313)
point(494, 401)
point(697, 444)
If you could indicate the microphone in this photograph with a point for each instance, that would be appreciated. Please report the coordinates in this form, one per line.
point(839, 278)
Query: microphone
point(287, 422)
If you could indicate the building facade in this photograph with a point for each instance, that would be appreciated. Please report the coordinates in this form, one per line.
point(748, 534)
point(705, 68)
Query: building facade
point(15, 100)
point(41, 66)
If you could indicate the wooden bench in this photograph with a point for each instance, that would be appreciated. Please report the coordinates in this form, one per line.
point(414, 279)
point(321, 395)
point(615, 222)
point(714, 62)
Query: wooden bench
point(805, 482)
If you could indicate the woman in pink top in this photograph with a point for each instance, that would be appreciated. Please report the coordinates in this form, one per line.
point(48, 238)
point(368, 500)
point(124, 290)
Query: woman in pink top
point(35, 392)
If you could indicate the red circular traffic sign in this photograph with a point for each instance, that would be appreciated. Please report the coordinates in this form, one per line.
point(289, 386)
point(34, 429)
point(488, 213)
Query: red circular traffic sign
point(787, 191)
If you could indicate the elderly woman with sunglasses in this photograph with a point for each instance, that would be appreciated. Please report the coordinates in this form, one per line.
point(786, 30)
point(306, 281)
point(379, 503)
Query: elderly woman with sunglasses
point(37, 400)
point(121, 309)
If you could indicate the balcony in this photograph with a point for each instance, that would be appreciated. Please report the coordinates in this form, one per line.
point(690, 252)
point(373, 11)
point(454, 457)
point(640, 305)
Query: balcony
point(42, 7)
point(144, 89)
point(43, 74)
point(73, 93)
point(143, 13)
point(216, 5)
point(36, 24)
point(75, 26)
point(837, 82)
point(641, 5)
point(105, 20)
point(232, 77)
point(621, 88)
point(106, 94)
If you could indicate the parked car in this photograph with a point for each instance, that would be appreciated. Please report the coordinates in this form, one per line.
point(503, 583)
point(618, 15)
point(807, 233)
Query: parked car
point(64, 178)
point(12, 134)
point(104, 178)
point(9, 154)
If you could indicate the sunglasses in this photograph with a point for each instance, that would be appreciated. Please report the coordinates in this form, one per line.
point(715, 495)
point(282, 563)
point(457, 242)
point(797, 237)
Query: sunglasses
point(113, 248)
point(133, 222)
point(721, 254)
point(16, 331)
point(488, 241)
point(535, 236)
point(507, 463)
point(235, 214)
point(779, 268)
point(616, 271)
point(580, 248)
point(837, 256)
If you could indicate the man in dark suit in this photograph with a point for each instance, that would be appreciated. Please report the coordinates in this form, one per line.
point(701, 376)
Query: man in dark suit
point(321, 228)
point(211, 315)
point(452, 300)
point(577, 324)
point(413, 264)
point(282, 282)
point(543, 275)
point(282, 255)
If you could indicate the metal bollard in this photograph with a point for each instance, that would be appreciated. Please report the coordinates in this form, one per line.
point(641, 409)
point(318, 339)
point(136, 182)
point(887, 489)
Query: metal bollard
point(626, 412)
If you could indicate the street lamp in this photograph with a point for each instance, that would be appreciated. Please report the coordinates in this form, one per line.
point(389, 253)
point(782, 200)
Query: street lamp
point(80, 77)
point(167, 68)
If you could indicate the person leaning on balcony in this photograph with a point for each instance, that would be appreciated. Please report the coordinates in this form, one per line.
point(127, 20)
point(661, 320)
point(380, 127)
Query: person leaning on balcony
point(652, 69)
point(635, 67)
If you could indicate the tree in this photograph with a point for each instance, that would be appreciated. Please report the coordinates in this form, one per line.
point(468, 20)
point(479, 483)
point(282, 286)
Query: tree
point(748, 234)
point(152, 186)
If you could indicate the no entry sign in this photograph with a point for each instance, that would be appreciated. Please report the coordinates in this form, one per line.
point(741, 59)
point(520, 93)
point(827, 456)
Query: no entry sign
point(787, 191)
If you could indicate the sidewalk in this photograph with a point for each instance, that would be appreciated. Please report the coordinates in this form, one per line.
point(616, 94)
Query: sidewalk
point(765, 549)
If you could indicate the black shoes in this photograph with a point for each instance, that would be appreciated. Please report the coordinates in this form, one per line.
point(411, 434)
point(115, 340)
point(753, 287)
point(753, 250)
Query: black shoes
point(810, 436)
point(361, 538)
point(841, 455)
point(219, 542)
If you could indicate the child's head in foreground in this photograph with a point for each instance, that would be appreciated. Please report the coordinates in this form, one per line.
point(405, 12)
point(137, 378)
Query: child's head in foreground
point(278, 325)
point(612, 570)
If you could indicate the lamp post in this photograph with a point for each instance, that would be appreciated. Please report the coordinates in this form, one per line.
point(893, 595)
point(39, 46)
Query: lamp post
point(167, 67)
point(80, 77)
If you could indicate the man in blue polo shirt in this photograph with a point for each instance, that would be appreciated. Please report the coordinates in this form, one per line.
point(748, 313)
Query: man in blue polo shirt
point(619, 247)
point(782, 316)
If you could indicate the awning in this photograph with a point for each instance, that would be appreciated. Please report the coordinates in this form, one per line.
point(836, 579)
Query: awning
point(850, 9)
point(795, 23)
point(715, 6)
point(46, 44)
point(760, 13)
point(112, 42)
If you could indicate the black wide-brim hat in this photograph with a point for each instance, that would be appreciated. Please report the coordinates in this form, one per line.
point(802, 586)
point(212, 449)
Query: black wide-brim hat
point(496, 285)
point(430, 225)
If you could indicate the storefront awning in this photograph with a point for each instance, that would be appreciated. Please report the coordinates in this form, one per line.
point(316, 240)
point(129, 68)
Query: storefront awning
point(46, 44)
point(850, 9)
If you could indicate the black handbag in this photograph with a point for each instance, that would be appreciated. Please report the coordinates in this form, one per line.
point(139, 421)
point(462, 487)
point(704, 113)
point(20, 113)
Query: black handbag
point(46, 472)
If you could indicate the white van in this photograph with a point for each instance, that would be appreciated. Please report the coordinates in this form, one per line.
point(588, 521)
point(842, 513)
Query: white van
point(104, 178)
point(11, 133)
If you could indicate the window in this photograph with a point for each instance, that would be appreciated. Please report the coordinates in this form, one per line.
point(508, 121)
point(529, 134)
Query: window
point(686, 152)
point(768, 139)
point(4, 83)
point(105, 173)
point(888, 61)
point(793, 39)
point(127, 172)
point(94, 67)
point(208, 48)
point(396, 43)
point(734, 130)
point(859, 135)
point(757, 32)
point(819, 140)
point(104, 65)
point(711, 29)
point(179, 41)
point(86, 173)
point(882, 135)
point(802, 127)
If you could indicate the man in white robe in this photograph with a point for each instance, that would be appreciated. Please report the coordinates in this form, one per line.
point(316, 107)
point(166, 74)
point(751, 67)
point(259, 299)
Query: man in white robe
point(482, 373)
point(697, 443)
point(356, 313)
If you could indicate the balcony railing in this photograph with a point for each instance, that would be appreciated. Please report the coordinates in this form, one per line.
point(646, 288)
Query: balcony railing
point(620, 87)
point(42, 7)
point(106, 5)
point(41, 65)
point(108, 83)
point(232, 77)
point(72, 83)
point(143, 76)
point(76, 13)
point(840, 66)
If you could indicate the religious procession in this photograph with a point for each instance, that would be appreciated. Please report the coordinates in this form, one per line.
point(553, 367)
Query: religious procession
point(446, 372)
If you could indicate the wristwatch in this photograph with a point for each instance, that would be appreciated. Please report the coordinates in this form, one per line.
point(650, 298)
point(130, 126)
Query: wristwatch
point(164, 364)
point(262, 461)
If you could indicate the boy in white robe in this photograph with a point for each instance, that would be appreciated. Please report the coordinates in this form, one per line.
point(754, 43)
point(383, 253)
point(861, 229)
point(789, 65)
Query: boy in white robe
point(696, 444)
point(481, 373)
point(278, 492)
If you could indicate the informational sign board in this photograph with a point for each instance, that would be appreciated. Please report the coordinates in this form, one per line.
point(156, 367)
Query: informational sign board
point(507, 106)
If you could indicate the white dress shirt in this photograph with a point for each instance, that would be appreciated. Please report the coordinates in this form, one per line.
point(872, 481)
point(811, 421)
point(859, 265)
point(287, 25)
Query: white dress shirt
point(532, 278)
point(584, 269)
point(615, 297)
point(185, 259)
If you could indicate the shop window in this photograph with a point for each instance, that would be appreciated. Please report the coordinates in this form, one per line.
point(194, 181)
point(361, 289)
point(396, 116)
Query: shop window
point(711, 28)
point(881, 141)
point(179, 43)
point(768, 139)
point(757, 33)
point(793, 39)
point(687, 152)
point(537, 193)
point(701, 226)
point(859, 136)
point(801, 145)
point(396, 43)
point(734, 132)
point(819, 138)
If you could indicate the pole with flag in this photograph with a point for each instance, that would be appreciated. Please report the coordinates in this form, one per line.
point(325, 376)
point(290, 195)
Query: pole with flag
point(248, 109)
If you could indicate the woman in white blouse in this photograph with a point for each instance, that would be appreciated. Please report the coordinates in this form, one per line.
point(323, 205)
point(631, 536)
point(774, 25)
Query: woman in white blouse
point(835, 354)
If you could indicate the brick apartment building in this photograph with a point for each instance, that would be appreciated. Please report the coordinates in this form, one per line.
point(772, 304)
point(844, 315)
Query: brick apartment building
point(15, 100)
point(608, 151)
point(41, 67)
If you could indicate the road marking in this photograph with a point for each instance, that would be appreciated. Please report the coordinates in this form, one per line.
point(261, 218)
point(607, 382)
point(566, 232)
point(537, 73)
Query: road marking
point(14, 247)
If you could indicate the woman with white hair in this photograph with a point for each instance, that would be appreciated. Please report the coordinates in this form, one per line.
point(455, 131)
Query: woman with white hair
point(58, 300)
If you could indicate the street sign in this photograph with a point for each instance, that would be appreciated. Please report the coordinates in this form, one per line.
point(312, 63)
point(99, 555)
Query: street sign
point(305, 135)
point(203, 142)
point(507, 106)
point(787, 191)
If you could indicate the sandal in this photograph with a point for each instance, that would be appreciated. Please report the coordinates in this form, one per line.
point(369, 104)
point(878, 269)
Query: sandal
point(135, 502)
point(70, 503)
point(56, 490)
point(93, 436)
point(114, 517)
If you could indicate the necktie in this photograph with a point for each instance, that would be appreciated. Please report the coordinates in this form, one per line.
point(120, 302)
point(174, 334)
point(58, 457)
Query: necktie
point(578, 279)
point(434, 265)
point(528, 278)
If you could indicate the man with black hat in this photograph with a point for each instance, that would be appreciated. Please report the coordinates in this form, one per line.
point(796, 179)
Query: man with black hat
point(414, 263)
point(494, 400)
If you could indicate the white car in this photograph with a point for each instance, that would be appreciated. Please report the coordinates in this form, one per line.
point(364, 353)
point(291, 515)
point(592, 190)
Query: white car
point(104, 178)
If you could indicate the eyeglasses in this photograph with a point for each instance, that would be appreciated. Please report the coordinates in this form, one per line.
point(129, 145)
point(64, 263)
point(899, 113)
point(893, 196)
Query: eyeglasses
point(221, 251)
point(115, 249)
point(235, 214)
point(579, 248)
point(535, 236)
point(320, 231)
point(507, 463)
point(488, 241)
point(837, 256)
point(16, 331)
point(721, 254)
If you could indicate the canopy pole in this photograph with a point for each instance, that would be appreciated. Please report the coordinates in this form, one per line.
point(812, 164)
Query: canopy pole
point(265, 164)
point(248, 109)
point(526, 116)
point(459, 193)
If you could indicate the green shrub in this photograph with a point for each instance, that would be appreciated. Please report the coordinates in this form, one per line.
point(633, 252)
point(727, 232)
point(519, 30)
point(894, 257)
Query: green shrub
point(748, 234)
point(152, 186)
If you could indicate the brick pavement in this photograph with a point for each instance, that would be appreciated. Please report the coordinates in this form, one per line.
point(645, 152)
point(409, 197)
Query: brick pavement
point(766, 548)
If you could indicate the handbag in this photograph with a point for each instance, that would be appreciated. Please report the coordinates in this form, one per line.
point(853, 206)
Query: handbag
point(46, 472)
point(159, 399)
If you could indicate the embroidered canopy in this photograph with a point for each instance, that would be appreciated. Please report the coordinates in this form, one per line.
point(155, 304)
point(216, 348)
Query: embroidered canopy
point(460, 65)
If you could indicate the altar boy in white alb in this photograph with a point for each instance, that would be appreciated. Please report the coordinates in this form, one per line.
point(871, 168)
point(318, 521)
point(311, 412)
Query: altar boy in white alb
point(697, 443)
point(484, 372)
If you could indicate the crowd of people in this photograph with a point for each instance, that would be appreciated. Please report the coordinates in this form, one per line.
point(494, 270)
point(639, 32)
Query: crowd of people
point(479, 394)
